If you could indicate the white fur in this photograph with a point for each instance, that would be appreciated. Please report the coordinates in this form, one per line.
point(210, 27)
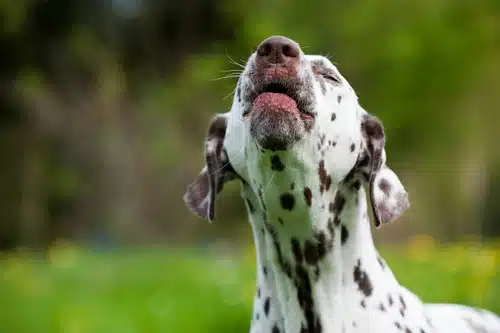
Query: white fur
point(340, 301)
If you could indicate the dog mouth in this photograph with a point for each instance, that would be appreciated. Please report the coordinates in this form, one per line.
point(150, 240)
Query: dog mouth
point(279, 97)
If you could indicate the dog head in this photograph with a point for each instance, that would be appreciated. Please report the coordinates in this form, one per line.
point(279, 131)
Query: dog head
point(295, 123)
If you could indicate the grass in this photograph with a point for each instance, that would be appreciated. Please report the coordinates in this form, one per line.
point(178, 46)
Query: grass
point(71, 290)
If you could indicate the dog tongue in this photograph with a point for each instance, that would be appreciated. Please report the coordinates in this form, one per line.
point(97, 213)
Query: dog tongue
point(275, 102)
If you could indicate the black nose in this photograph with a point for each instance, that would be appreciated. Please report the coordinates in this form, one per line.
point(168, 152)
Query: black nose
point(278, 50)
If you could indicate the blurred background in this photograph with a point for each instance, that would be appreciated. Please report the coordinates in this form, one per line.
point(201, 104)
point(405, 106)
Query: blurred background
point(104, 108)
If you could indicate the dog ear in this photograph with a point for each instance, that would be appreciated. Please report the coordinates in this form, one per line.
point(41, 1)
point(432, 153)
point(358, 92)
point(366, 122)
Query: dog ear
point(388, 197)
point(201, 193)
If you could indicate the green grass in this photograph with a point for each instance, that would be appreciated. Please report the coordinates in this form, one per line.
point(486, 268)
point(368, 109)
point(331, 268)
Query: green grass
point(160, 290)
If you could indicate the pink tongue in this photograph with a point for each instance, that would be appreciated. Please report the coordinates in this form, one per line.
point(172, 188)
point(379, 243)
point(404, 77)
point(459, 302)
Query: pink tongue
point(275, 102)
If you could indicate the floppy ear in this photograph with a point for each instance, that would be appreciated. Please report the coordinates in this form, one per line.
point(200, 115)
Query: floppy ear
point(201, 193)
point(388, 197)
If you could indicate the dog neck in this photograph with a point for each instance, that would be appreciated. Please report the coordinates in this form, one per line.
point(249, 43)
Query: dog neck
point(306, 261)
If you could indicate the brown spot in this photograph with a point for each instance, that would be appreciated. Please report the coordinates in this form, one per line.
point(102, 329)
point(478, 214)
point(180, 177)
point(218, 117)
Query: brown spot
point(324, 180)
point(311, 252)
point(372, 127)
point(308, 196)
point(385, 186)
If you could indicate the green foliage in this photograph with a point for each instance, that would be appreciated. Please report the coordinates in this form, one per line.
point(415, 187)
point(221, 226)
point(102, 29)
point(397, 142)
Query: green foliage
point(158, 290)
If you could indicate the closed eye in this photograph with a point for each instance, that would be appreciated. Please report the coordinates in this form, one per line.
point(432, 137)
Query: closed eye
point(331, 77)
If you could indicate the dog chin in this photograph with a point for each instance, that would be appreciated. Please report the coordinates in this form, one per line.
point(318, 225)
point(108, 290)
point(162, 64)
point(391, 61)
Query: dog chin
point(275, 131)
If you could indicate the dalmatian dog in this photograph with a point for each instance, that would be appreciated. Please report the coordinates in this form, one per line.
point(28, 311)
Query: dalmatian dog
point(304, 151)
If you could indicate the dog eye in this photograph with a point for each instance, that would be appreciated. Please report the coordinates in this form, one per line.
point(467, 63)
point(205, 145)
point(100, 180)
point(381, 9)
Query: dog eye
point(332, 78)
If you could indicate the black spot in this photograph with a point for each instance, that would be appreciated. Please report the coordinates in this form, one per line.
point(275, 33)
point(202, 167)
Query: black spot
point(258, 292)
point(338, 204)
point(356, 185)
point(287, 201)
point(276, 163)
point(330, 227)
point(334, 143)
point(339, 98)
point(280, 220)
point(308, 196)
point(381, 307)
point(363, 303)
point(352, 147)
point(403, 303)
point(250, 206)
point(321, 244)
point(275, 329)
point(362, 280)
point(257, 316)
point(238, 94)
point(334, 116)
point(292, 186)
point(363, 160)
point(264, 270)
point(304, 297)
point(402, 312)
point(325, 181)
point(398, 325)
point(391, 301)
point(297, 252)
point(385, 186)
point(407, 330)
point(336, 220)
point(267, 305)
point(380, 262)
point(322, 138)
point(422, 331)
point(344, 234)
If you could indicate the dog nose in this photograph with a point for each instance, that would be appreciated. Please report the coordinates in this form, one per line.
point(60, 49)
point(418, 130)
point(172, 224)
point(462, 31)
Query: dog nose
point(278, 50)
